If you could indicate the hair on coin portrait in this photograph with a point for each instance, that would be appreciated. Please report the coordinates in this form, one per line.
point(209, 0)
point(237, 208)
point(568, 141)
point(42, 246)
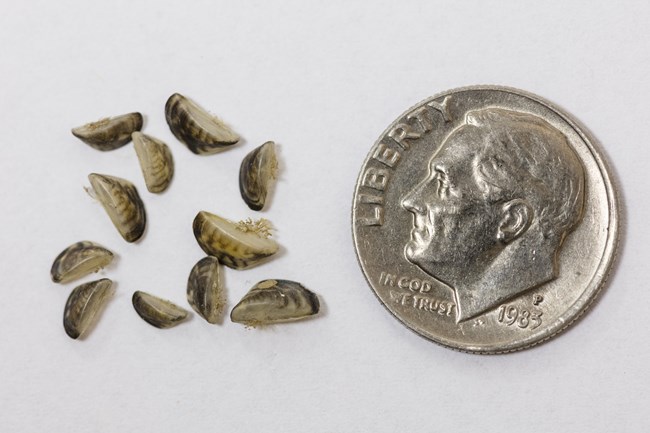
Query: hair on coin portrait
point(502, 192)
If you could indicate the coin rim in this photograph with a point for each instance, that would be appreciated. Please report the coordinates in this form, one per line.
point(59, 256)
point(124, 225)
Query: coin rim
point(601, 273)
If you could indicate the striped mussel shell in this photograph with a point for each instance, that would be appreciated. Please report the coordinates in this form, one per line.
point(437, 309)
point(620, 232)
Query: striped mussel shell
point(109, 133)
point(256, 174)
point(83, 306)
point(275, 301)
point(205, 292)
point(156, 161)
point(237, 245)
point(156, 311)
point(78, 260)
point(122, 203)
point(201, 132)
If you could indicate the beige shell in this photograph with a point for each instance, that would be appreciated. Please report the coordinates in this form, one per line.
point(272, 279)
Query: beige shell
point(201, 132)
point(257, 171)
point(204, 289)
point(79, 260)
point(275, 301)
point(84, 303)
point(156, 311)
point(109, 133)
point(156, 161)
point(236, 245)
point(122, 203)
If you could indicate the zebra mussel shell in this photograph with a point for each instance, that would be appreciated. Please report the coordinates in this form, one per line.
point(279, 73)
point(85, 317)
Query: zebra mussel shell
point(79, 260)
point(204, 290)
point(122, 203)
point(275, 301)
point(156, 311)
point(156, 161)
point(258, 169)
point(84, 303)
point(236, 245)
point(109, 133)
point(201, 132)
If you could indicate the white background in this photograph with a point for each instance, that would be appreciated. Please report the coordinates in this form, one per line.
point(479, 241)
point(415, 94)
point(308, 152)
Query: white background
point(323, 81)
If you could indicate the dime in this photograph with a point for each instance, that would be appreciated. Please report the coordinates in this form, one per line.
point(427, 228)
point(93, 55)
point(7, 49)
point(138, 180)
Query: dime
point(485, 219)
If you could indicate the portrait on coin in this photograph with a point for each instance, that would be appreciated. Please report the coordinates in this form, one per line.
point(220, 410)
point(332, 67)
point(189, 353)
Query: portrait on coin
point(502, 192)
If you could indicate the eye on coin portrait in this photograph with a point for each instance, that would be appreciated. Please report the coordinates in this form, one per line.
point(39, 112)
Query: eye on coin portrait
point(471, 218)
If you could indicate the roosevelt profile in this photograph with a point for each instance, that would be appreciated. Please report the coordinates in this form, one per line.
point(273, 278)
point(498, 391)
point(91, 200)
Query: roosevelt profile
point(502, 192)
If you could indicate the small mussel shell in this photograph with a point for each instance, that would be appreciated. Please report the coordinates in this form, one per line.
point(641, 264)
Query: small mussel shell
point(79, 260)
point(83, 304)
point(122, 203)
point(110, 133)
point(201, 132)
point(233, 247)
point(204, 289)
point(156, 311)
point(156, 161)
point(256, 173)
point(275, 301)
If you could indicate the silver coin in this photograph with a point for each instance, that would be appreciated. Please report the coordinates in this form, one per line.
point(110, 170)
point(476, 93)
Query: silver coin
point(485, 220)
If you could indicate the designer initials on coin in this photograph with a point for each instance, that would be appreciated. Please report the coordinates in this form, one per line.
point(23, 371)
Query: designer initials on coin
point(485, 220)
